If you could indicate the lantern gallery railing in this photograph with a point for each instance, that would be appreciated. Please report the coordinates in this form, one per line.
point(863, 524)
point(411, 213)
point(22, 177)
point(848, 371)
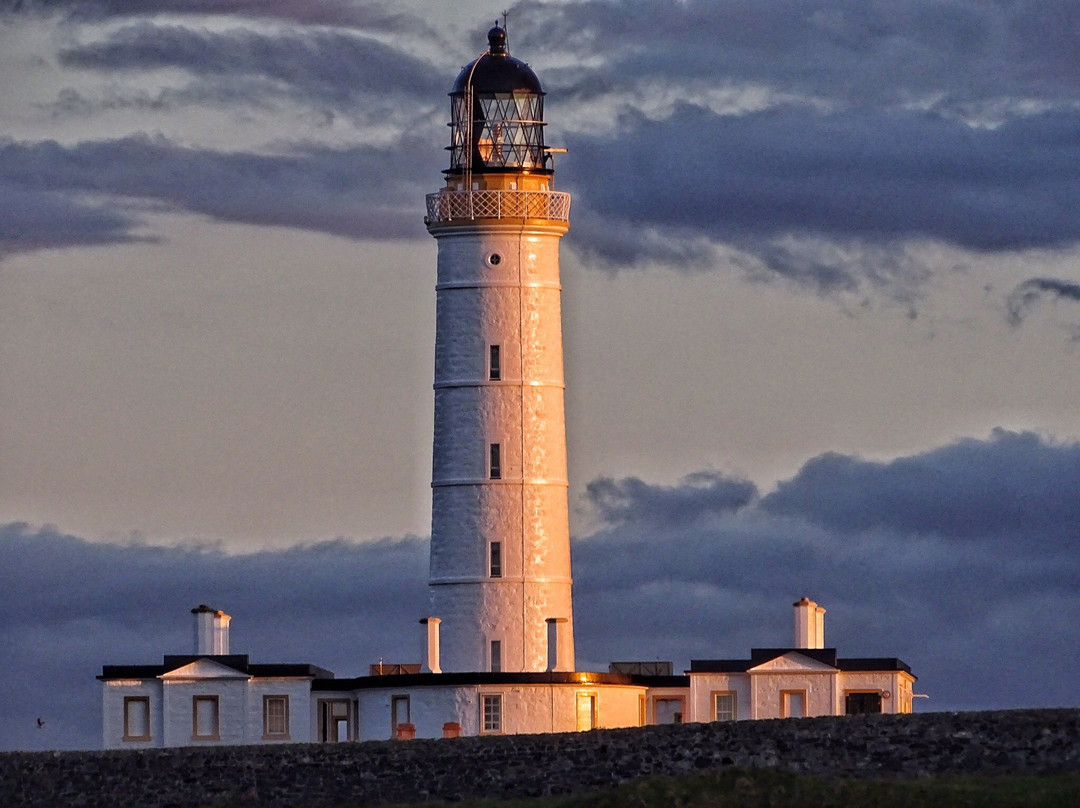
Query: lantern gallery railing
point(448, 206)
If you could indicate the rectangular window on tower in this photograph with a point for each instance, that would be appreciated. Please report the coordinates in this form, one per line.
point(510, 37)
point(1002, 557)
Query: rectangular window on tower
point(495, 461)
point(496, 656)
point(494, 363)
point(495, 561)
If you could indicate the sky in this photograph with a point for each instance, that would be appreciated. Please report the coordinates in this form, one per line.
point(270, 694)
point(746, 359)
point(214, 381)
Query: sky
point(821, 316)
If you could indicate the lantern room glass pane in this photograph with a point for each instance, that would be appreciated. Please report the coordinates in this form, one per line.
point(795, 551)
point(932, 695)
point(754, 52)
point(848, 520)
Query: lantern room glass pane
point(504, 130)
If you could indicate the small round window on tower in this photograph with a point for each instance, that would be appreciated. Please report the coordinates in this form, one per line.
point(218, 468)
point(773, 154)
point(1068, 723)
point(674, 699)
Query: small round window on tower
point(494, 259)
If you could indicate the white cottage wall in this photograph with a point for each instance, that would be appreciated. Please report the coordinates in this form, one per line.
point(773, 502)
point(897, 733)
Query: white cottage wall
point(113, 694)
point(704, 685)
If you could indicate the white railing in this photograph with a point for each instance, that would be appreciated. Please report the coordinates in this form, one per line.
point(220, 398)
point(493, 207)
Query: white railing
point(446, 206)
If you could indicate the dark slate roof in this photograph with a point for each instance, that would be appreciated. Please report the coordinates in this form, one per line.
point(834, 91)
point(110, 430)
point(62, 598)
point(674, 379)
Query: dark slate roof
point(759, 656)
point(238, 662)
point(410, 680)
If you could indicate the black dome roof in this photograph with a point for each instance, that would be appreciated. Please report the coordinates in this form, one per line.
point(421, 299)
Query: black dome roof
point(497, 71)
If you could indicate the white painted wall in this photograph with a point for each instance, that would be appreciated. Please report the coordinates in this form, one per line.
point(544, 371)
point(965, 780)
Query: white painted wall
point(112, 712)
point(527, 709)
point(514, 303)
point(240, 709)
point(702, 687)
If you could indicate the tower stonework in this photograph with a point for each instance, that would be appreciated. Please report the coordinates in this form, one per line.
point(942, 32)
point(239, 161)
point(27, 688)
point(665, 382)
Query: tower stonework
point(499, 581)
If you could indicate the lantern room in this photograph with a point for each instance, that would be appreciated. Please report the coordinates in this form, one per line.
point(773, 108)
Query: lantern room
point(497, 115)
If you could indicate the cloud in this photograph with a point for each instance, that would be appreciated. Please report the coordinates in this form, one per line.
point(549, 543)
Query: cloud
point(1025, 295)
point(859, 176)
point(344, 191)
point(697, 497)
point(35, 220)
point(961, 560)
point(1010, 485)
point(358, 76)
point(979, 61)
point(72, 605)
point(371, 15)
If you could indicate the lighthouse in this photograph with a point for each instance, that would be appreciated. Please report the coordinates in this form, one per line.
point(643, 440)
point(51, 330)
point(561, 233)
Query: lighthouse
point(499, 581)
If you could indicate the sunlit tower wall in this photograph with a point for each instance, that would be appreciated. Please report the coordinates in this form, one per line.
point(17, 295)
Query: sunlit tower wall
point(500, 542)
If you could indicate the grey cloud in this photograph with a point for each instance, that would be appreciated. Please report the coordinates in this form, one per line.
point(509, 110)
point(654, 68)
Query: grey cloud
point(957, 56)
point(1027, 294)
point(72, 605)
point(1011, 485)
point(982, 621)
point(863, 180)
point(698, 496)
point(975, 617)
point(35, 220)
point(328, 67)
point(370, 15)
point(349, 192)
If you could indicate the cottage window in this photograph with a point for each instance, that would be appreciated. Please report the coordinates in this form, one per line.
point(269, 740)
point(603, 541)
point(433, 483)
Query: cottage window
point(276, 717)
point(724, 707)
point(136, 718)
point(491, 713)
point(400, 713)
point(793, 704)
point(204, 718)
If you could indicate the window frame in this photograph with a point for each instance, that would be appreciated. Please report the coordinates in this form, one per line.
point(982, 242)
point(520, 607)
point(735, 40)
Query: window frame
point(730, 694)
point(395, 700)
point(491, 720)
point(195, 726)
point(785, 703)
point(269, 733)
point(495, 566)
point(494, 461)
point(495, 656)
point(129, 702)
point(494, 363)
point(593, 706)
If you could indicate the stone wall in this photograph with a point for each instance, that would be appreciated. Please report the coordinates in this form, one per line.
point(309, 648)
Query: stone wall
point(411, 771)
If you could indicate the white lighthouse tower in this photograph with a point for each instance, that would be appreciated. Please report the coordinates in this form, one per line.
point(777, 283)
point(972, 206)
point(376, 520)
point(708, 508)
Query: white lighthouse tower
point(500, 586)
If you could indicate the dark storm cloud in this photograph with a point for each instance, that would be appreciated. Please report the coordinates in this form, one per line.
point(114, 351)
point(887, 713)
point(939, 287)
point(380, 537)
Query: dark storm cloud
point(347, 192)
point(71, 606)
point(373, 16)
point(961, 560)
point(316, 67)
point(1033, 290)
point(863, 176)
point(698, 496)
point(1011, 484)
point(957, 56)
point(35, 220)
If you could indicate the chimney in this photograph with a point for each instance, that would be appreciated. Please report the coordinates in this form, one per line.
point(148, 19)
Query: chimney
point(557, 638)
point(809, 624)
point(431, 647)
point(211, 630)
